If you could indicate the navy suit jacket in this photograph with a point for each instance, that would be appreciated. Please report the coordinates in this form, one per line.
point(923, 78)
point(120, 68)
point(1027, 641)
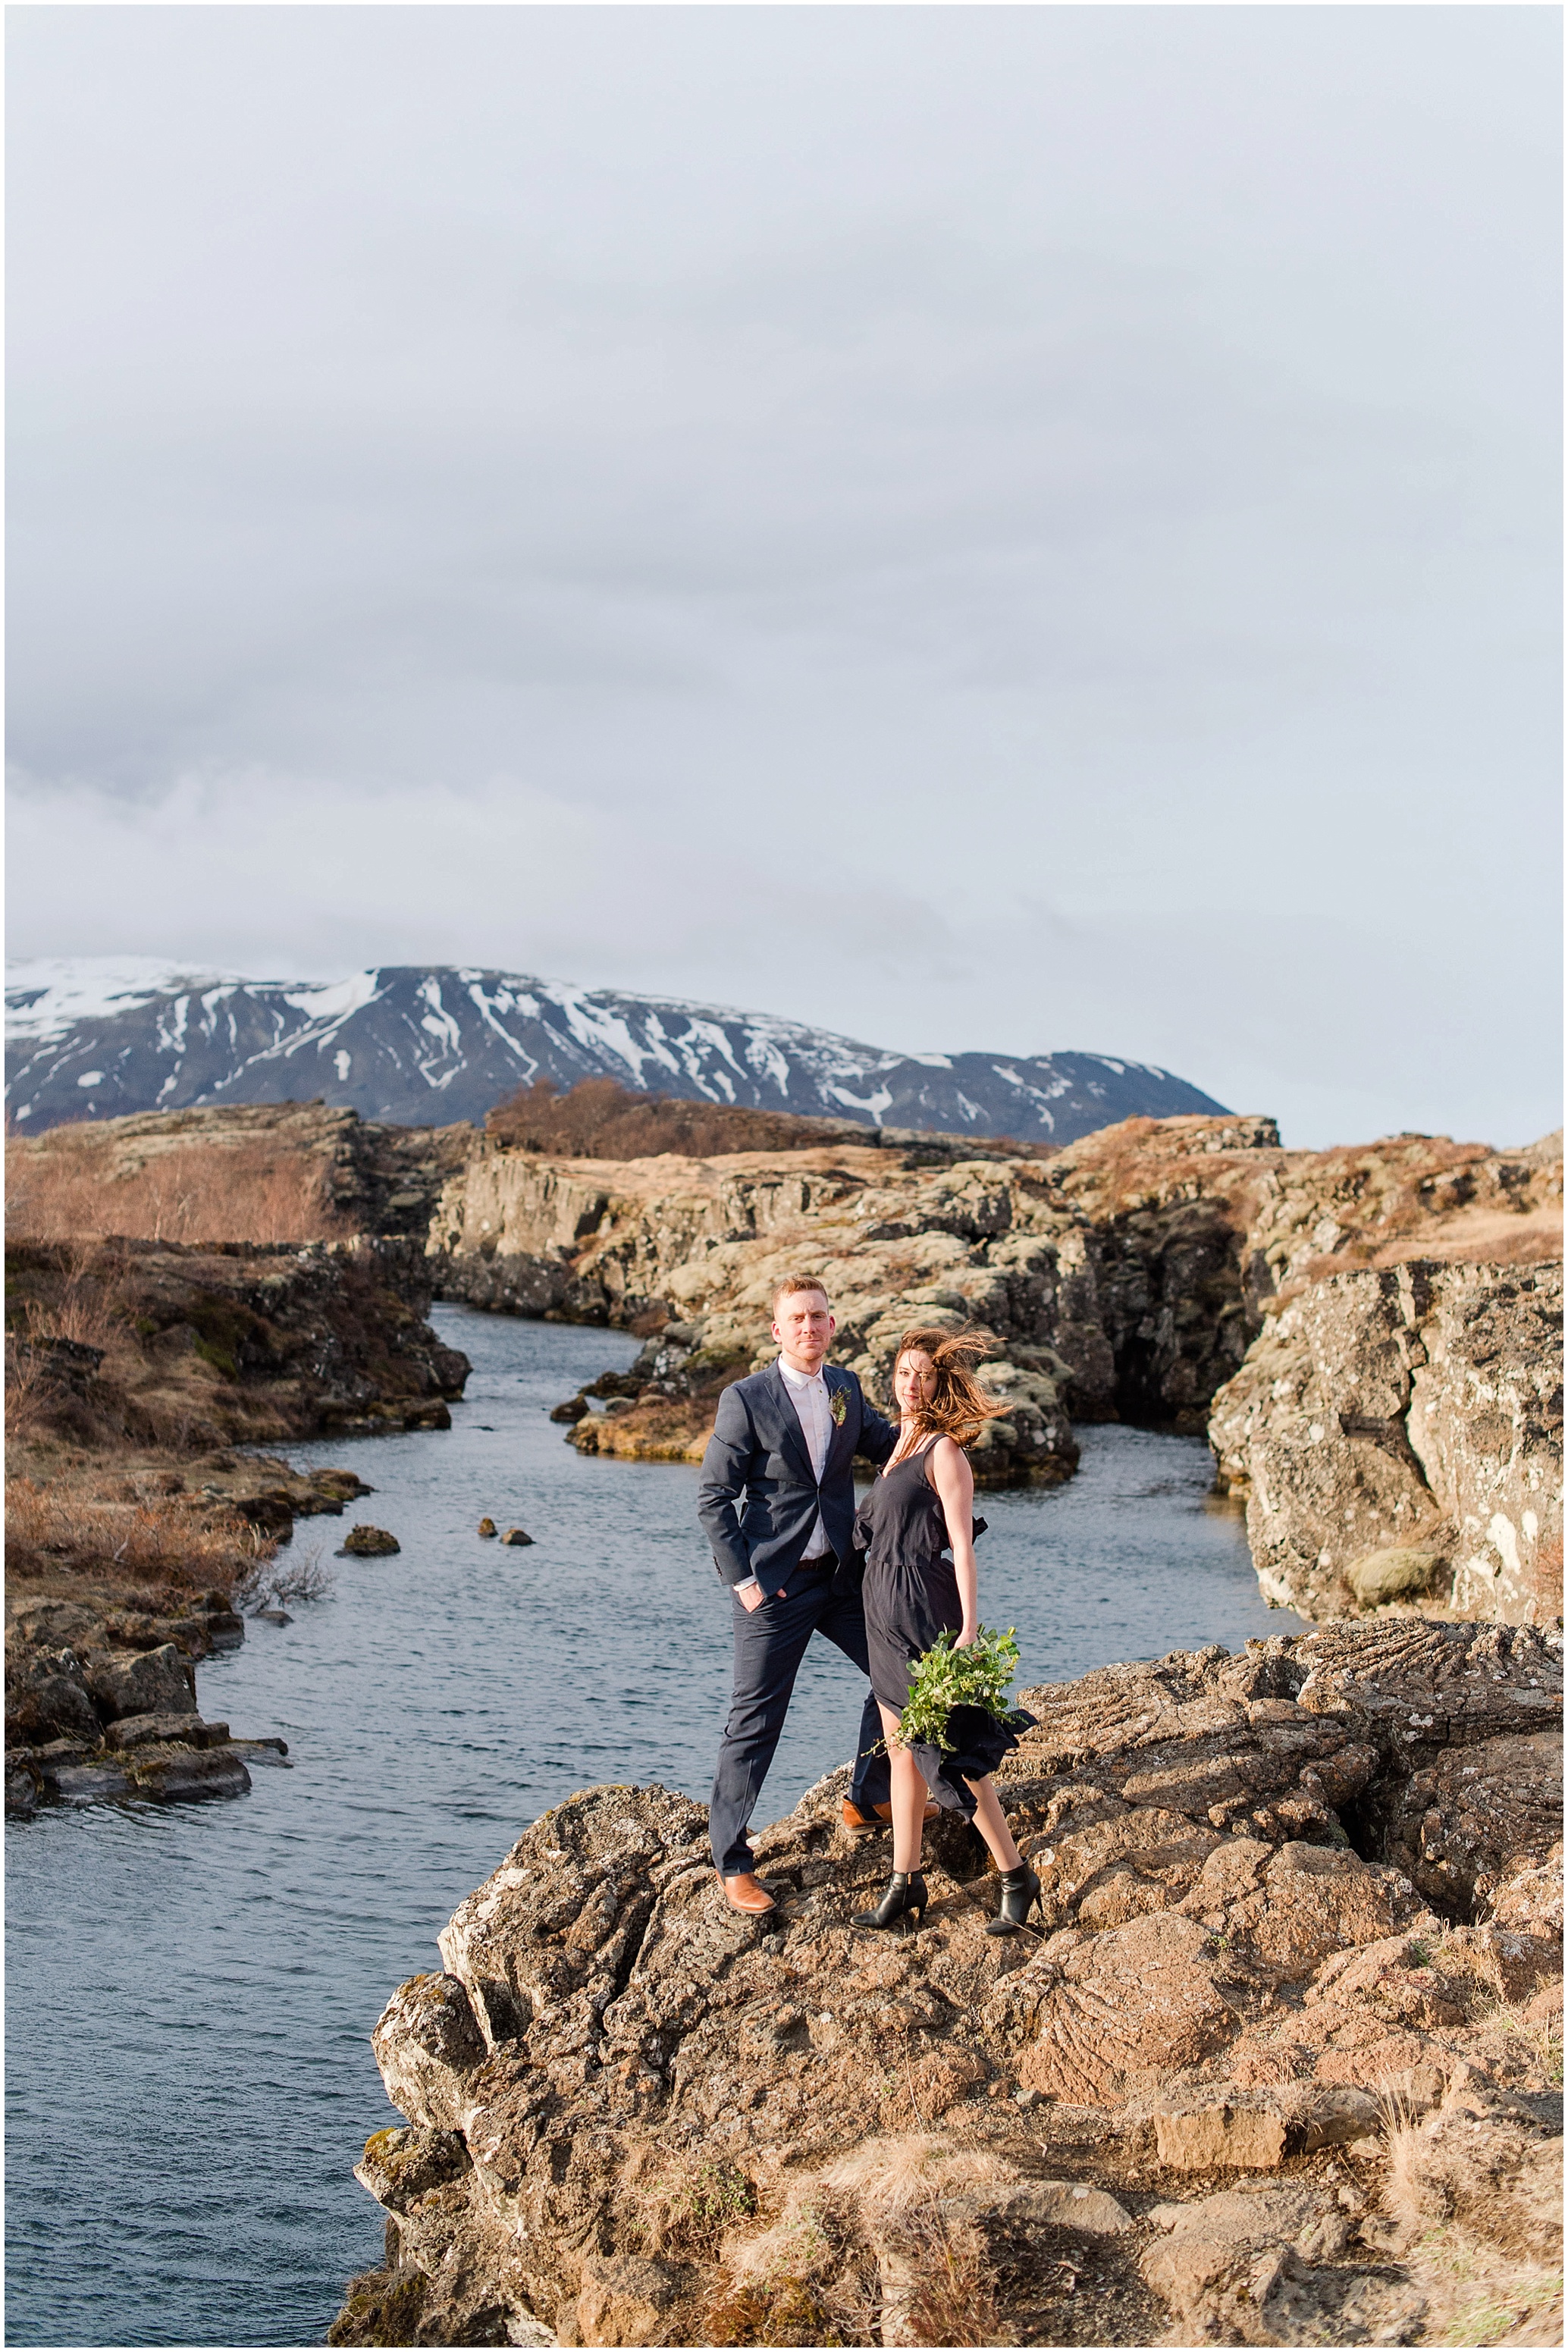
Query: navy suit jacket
point(758, 1500)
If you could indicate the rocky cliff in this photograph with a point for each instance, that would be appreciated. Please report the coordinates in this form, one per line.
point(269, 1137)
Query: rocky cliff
point(1187, 1273)
point(1280, 2066)
point(158, 1343)
point(162, 1174)
point(133, 1371)
point(1397, 1435)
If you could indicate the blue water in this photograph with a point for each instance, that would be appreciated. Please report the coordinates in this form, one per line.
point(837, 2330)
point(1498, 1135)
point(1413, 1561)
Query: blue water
point(190, 1991)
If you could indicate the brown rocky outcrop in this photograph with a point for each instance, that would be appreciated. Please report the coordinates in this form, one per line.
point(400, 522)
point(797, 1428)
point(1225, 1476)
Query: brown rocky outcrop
point(1144, 1272)
point(101, 1707)
point(363, 1176)
point(1214, 2094)
point(207, 1346)
point(934, 1229)
point(1188, 1273)
point(132, 1525)
point(1398, 1437)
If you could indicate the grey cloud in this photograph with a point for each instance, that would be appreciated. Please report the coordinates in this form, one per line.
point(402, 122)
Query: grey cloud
point(533, 485)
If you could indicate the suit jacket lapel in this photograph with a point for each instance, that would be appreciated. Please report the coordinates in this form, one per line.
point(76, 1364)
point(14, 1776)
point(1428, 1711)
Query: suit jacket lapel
point(792, 1440)
point(838, 1434)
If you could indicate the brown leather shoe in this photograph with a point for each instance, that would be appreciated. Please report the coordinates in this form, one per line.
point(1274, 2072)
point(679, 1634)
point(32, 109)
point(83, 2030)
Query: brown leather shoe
point(746, 1895)
point(860, 1825)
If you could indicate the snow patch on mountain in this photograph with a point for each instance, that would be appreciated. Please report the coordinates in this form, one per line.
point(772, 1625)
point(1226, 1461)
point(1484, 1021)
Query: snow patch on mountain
point(99, 1036)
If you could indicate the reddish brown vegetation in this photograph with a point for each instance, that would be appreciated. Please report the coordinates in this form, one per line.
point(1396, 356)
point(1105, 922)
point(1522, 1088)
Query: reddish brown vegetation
point(95, 1527)
point(73, 1182)
point(601, 1120)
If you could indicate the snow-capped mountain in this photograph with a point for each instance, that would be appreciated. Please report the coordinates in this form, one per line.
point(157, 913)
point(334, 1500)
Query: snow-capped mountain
point(95, 1038)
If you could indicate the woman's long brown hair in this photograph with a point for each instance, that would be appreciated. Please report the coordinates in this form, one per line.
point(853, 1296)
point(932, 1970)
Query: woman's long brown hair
point(961, 1407)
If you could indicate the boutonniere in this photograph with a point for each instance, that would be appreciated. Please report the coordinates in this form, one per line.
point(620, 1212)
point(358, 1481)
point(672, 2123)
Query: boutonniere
point(838, 1406)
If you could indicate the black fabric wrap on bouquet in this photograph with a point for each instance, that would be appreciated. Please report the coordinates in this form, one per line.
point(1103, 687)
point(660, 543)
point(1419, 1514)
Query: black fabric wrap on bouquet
point(980, 1741)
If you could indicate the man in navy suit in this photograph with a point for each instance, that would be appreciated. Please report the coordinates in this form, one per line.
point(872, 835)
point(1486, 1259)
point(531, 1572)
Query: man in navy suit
point(777, 1504)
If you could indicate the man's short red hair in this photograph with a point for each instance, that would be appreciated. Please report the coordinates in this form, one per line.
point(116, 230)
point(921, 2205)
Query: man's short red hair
point(793, 1281)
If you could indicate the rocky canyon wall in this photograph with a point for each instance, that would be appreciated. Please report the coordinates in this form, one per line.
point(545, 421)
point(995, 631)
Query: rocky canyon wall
point(1366, 1335)
point(1397, 1435)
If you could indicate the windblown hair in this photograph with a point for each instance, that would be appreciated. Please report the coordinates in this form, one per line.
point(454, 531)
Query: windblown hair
point(961, 1407)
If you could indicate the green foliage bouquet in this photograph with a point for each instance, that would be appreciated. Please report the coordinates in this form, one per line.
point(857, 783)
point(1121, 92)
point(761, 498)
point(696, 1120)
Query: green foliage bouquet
point(981, 1676)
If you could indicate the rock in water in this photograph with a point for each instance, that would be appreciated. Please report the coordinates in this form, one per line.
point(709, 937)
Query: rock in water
point(48, 1699)
point(516, 1536)
point(368, 1543)
point(185, 1730)
point(636, 2118)
point(487, 1526)
point(141, 1682)
point(177, 1776)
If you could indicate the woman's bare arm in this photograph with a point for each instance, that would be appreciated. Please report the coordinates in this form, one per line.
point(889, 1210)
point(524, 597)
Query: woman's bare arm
point(950, 1475)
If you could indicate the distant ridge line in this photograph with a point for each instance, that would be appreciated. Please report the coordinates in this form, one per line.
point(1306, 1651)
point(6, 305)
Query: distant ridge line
point(428, 1044)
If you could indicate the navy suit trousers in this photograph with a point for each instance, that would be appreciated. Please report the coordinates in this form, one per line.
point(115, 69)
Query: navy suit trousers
point(770, 1642)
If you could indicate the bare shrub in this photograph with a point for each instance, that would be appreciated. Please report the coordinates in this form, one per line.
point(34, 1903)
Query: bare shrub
point(67, 1183)
point(29, 1394)
point(308, 1579)
point(261, 1581)
point(43, 1376)
point(88, 1307)
point(599, 1119)
point(184, 1546)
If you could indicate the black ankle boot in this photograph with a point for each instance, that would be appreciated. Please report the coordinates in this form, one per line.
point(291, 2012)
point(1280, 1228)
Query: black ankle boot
point(905, 1897)
point(1020, 1893)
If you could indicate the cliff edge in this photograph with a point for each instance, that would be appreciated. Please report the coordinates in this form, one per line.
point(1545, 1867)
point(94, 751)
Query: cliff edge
point(1280, 2066)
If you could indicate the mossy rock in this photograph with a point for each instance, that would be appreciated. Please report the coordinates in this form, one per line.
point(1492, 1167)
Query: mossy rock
point(381, 2309)
point(1403, 1572)
point(369, 1543)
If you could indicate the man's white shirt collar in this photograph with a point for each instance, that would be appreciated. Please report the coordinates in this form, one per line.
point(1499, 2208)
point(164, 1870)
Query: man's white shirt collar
point(799, 1380)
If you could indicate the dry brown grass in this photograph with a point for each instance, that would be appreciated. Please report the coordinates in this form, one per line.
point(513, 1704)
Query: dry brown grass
point(177, 1546)
point(86, 1311)
point(599, 1119)
point(953, 2295)
point(889, 2175)
point(864, 2248)
point(67, 1184)
point(807, 2279)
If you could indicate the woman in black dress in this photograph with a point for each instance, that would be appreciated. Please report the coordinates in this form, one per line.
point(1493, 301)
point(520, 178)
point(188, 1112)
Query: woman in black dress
point(919, 1510)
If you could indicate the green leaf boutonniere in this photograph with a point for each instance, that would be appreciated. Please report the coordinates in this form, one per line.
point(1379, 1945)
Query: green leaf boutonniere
point(838, 1406)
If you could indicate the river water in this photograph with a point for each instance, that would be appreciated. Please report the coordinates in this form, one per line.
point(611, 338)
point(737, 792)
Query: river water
point(191, 1988)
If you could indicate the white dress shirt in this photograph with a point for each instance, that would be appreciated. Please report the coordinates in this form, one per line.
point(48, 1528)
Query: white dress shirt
point(808, 1395)
point(807, 1392)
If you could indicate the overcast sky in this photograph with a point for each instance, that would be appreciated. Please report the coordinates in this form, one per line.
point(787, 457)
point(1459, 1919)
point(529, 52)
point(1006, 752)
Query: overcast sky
point(1021, 527)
